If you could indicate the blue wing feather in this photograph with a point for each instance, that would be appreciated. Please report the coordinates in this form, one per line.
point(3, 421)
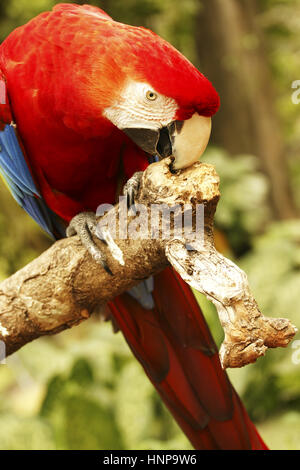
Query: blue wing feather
point(13, 160)
point(15, 171)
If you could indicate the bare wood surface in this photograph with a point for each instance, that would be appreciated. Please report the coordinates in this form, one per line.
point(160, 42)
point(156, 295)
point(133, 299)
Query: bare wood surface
point(64, 285)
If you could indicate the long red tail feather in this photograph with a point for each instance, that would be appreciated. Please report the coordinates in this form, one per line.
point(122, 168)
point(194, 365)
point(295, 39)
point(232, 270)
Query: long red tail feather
point(174, 345)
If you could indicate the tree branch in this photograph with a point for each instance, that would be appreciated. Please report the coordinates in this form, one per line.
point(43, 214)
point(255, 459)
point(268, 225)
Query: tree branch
point(63, 286)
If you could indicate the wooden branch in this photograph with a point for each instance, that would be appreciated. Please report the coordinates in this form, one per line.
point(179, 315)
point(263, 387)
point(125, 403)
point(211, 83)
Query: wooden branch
point(248, 334)
point(63, 286)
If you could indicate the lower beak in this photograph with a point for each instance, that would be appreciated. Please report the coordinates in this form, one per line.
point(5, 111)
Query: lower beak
point(184, 140)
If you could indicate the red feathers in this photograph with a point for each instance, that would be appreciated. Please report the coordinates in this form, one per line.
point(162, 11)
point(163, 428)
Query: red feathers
point(63, 69)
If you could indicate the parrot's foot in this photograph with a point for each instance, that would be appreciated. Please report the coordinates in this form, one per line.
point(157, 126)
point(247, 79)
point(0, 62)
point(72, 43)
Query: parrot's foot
point(131, 188)
point(84, 225)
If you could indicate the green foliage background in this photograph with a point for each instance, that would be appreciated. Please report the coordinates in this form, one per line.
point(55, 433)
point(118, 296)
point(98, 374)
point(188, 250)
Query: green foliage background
point(82, 389)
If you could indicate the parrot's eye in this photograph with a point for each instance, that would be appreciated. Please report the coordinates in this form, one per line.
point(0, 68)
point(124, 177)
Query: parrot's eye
point(151, 95)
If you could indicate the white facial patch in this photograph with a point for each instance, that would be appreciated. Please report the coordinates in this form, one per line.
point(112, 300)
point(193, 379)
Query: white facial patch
point(140, 106)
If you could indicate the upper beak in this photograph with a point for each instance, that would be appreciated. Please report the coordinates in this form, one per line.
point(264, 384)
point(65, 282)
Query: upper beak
point(184, 140)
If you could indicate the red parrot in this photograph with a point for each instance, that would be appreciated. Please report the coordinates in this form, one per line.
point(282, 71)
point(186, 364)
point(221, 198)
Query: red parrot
point(89, 101)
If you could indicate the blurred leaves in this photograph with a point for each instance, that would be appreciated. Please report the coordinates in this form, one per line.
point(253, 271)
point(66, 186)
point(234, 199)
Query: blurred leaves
point(281, 22)
point(274, 274)
point(283, 431)
point(240, 217)
point(24, 434)
point(240, 176)
point(273, 268)
point(97, 398)
point(20, 237)
point(75, 411)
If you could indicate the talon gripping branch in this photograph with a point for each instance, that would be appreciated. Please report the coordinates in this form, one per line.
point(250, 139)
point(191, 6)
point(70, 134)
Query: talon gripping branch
point(89, 100)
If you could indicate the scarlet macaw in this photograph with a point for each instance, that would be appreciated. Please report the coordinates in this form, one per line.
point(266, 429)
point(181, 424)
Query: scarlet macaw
point(88, 101)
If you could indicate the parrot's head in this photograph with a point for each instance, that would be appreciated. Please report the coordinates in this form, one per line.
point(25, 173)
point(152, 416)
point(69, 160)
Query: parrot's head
point(161, 101)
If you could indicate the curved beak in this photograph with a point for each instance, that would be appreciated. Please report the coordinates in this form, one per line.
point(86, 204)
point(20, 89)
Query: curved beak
point(184, 140)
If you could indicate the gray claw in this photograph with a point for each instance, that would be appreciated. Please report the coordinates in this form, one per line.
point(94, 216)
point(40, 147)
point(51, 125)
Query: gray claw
point(131, 189)
point(84, 225)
